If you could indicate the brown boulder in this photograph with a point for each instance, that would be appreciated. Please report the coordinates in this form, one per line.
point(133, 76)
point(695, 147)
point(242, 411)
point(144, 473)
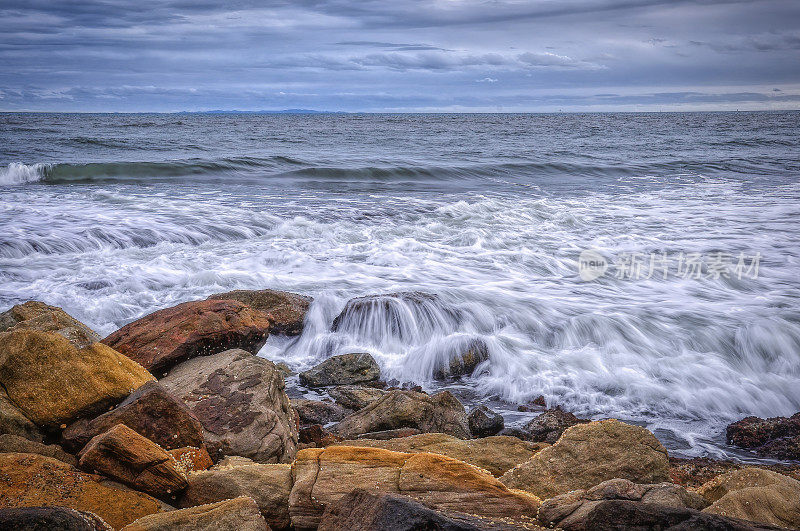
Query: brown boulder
point(51, 518)
point(164, 338)
point(268, 485)
point(317, 437)
point(495, 454)
point(344, 369)
point(354, 397)
point(288, 310)
point(52, 382)
point(13, 422)
point(30, 480)
point(441, 413)
point(35, 315)
point(21, 445)
point(191, 459)
point(124, 455)
point(238, 514)
point(776, 437)
point(323, 476)
point(240, 401)
point(483, 422)
point(318, 412)
point(569, 511)
point(588, 454)
point(150, 411)
point(755, 494)
point(548, 426)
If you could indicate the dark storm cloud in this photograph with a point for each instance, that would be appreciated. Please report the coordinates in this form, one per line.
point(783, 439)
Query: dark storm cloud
point(403, 55)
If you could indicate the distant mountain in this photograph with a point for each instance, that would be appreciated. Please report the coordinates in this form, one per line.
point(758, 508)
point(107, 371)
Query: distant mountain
point(284, 111)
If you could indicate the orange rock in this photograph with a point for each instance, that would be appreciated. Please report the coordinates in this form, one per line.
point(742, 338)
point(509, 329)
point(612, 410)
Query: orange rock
point(191, 459)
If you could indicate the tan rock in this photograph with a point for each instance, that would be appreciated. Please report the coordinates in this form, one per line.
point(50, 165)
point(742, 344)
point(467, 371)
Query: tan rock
point(495, 454)
point(21, 445)
point(268, 485)
point(238, 514)
point(288, 310)
point(124, 455)
point(35, 315)
point(13, 422)
point(52, 382)
point(588, 454)
point(323, 476)
point(755, 494)
point(30, 480)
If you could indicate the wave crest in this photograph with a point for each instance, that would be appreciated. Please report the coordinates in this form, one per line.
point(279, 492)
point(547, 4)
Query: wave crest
point(18, 173)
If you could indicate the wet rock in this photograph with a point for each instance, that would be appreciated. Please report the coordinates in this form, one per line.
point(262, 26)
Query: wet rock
point(288, 310)
point(35, 315)
point(755, 494)
point(588, 454)
point(124, 455)
point(569, 511)
point(323, 476)
point(345, 369)
point(191, 459)
point(164, 338)
point(539, 401)
point(238, 514)
point(13, 422)
point(268, 485)
point(363, 510)
point(549, 426)
point(776, 437)
point(495, 454)
point(463, 360)
point(150, 411)
point(441, 413)
point(387, 435)
point(359, 314)
point(355, 397)
point(483, 422)
point(317, 437)
point(31, 480)
point(626, 514)
point(21, 445)
point(52, 382)
point(240, 401)
point(51, 518)
point(318, 412)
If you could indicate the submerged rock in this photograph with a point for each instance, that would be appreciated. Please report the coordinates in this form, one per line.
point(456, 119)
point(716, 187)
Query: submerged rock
point(288, 310)
point(776, 437)
point(241, 403)
point(441, 413)
point(588, 454)
point(35, 315)
point(53, 382)
point(483, 422)
point(463, 361)
point(344, 369)
point(51, 518)
point(238, 514)
point(548, 426)
point(200, 328)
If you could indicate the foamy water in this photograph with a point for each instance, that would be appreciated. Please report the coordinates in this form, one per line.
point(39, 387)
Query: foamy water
point(111, 241)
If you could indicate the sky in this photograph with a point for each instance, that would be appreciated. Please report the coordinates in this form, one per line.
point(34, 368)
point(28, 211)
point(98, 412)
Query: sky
point(400, 55)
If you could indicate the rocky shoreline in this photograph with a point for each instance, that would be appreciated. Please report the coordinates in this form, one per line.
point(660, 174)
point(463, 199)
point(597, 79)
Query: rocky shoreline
point(172, 422)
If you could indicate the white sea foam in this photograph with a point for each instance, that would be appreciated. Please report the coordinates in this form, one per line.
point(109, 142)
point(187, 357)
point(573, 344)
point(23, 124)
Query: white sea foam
point(18, 173)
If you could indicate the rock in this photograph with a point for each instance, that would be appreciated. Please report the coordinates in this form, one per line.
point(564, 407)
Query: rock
point(495, 454)
point(463, 360)
point(191, 459)
point(288, 310)
point(35, 315)
point(21, 445)
point(776, 437)
point(569, 511)
point(52, 382)
point(13, 422)
point(362, 510)
point(540, 401)
point(755, 494)
point(268, 485)
point(30, 480)
point(318, 412)
point(240, 401)
point(483, 422)
point(317, 437)
point(238, 514)
point(355, 397)
point(626, 514)
point(51, 518)
point(124, 455)
point(286, 371)
point(232, 461)
point(345, 369)
point(693, 473)
point(386, 435)
point(150, 411)
point(549, 426)
point(588, 454)
point(323, 476)
point(162, 339)
point(441, 413)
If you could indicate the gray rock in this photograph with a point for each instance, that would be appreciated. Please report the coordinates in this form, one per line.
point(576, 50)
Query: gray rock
point(355, 397)
point(549, 426)
point(318, 412)
point(463, 360)
point(51, 518)
point(483, 422)
point(345, 369)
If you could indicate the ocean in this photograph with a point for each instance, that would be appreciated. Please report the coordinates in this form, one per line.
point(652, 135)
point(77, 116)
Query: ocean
point(638, 266)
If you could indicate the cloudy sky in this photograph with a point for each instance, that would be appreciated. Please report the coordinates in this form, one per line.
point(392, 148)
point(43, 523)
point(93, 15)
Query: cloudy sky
point(399, 55)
